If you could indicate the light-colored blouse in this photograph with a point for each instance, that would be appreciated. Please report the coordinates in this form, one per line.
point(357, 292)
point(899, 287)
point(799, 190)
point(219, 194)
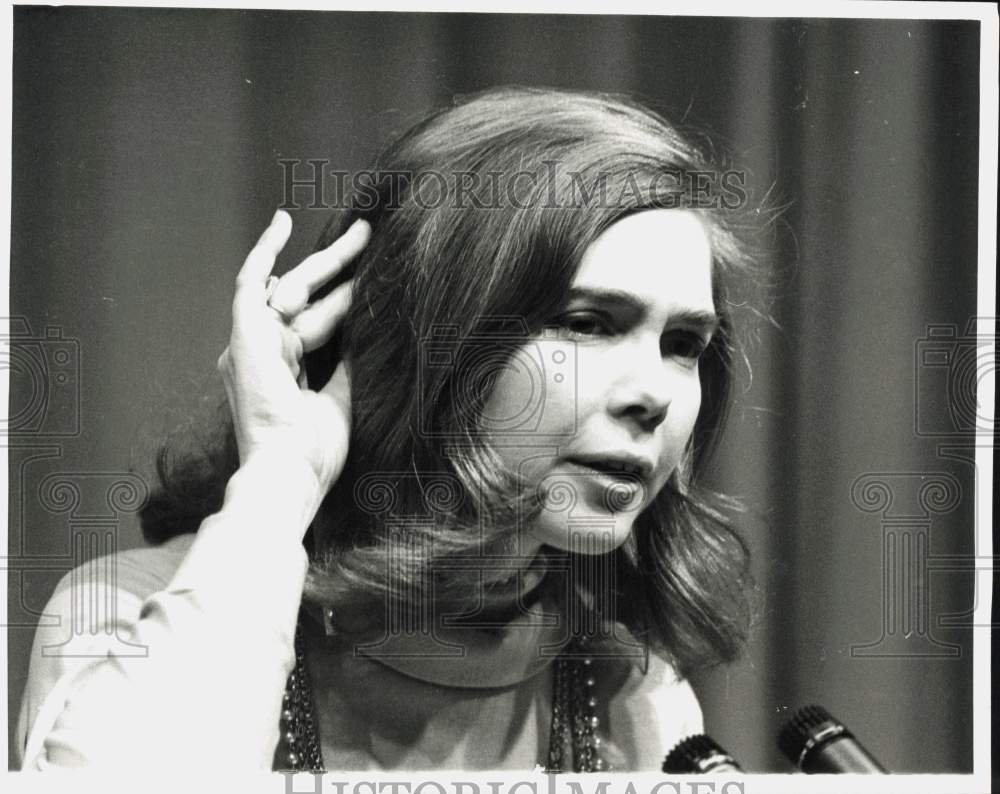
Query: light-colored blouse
point(182, 652)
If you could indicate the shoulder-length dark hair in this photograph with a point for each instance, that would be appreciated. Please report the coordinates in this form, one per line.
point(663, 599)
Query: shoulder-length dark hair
point(481, 214)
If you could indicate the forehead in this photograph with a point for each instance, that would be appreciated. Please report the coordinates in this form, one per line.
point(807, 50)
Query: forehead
point(662, 256)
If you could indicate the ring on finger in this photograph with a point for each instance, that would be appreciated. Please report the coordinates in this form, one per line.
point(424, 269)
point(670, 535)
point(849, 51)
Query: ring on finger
point(269, 289)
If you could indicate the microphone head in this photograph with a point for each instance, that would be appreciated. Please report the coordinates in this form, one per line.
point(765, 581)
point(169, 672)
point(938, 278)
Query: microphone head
point(805, 729)
point(698, 754)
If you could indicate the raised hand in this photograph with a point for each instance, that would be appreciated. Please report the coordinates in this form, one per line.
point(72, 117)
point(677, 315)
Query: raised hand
point(274, 413)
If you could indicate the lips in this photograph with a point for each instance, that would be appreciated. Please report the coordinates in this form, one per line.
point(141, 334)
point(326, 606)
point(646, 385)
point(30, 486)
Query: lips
point(614, 468)
point(630, 466)
point(610, 484)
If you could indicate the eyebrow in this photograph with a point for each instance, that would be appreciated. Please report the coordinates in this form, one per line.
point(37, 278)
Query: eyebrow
point(706, 321)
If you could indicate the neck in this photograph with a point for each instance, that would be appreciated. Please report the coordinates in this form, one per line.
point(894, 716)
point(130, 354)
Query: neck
point(507, 640)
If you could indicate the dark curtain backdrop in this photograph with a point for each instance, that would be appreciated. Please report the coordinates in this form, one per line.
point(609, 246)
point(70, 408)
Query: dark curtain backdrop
point(145, 162)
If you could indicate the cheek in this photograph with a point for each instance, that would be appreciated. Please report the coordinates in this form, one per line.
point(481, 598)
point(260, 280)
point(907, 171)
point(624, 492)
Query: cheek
point(693, 403)
point(681, 418)
point(513, 396)
point(534, 394)
point(688, 412)
point(525, 461)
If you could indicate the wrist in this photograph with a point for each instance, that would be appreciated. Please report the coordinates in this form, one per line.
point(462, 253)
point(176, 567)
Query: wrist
point(280, 485)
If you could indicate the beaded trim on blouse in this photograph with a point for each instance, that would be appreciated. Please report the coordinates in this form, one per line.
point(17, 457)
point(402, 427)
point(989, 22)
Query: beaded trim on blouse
point(574, 715)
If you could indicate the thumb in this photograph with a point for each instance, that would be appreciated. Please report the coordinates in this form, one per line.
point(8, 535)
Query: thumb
point(339, 385)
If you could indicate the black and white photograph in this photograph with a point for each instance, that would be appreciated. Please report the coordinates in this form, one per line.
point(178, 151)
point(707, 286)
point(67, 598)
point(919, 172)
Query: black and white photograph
point(432, 391)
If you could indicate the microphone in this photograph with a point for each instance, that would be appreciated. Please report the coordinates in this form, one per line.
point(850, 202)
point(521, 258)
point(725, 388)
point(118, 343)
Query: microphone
point(699, 754)
point(815, 741)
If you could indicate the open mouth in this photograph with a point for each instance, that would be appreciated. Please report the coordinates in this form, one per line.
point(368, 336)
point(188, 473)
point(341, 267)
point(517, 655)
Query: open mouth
point(613, 467)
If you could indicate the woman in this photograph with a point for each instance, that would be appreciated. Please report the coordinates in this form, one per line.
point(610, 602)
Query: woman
point(483, 404)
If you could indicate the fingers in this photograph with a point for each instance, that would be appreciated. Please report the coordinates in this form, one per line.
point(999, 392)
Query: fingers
point(292, 293)
point(260, 261)
point(339, 385)
point(315, 324)
point(249, 297)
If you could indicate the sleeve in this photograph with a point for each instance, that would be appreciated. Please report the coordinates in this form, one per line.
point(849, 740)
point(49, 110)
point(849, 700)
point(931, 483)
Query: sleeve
point(650, 714)
point(195, 675)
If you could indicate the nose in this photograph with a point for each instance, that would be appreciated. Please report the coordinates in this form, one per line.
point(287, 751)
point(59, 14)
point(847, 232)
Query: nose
point(643, 390)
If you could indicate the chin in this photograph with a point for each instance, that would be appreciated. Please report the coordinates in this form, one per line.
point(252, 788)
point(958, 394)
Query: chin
point(597, 534)
point(587, 514)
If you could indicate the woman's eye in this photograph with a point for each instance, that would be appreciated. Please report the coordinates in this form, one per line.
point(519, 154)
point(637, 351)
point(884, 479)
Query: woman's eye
point(684, 345)
point(584, 324)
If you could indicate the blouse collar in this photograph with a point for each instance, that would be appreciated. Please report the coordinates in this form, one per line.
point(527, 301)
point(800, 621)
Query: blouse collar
point(481, 655)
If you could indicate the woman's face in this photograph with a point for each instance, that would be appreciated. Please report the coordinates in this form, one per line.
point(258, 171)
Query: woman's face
point(610, 392)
